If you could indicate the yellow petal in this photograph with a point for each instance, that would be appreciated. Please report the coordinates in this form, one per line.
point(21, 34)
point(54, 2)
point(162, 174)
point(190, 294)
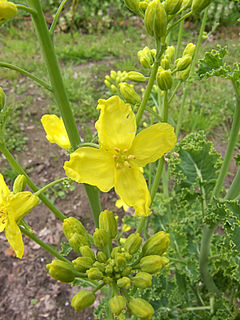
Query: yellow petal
point(55, 129)
point(4, 191)
point(20, 204)
point(131, 186)
point(151, 143)
point(14, 237)
point(116, 125)
point(92, 166)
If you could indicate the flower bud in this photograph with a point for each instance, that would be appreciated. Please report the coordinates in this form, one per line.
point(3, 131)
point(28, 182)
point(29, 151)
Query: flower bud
point(165, 63)
point(128, 93)
point(156, 19)
point(100, 238)
point(170, 51)
point(107, 83)
point(126, 271)
point(157, 244)
point(71, 226)
point(133, 243)
point(141, 308)
point(164, 79)
point(117, 304)
point(61, 270)
point(146, 57)
point(199, 5)
point(115, 251)
point(108, 223)
point(136, 76)
point(132, 5)
point(183, 75)
point(101, 266)
point(7, 10)
point(113, 88)
point(101, 257)
point(82, 300)
point(94, 274)
point(142, 280)
point(153, 263)
point(87, 252)
point(19, 183)
point(183, 63)
point(113, 74)
point(124, 283)
point(81, 264)
point(77, 240)
point(120, 260)
point(143, 5)
point(172, 6)
point(190, 49)
point(2, 99)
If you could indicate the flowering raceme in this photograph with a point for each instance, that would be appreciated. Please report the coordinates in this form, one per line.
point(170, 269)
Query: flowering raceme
point(122, 154)
point(13, 207)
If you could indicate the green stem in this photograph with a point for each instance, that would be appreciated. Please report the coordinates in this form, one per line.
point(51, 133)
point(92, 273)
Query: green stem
point(55, 20)
point(180, 35)
point(99, 287)
point(16, 166)
point(49, 186)
point(197, 308)
point(94, 201)
point(174, 91)
point(26, 73)
point(28, 9)
point(43, 245)
point(234, 190)
point(179, 20)
point(151, 80)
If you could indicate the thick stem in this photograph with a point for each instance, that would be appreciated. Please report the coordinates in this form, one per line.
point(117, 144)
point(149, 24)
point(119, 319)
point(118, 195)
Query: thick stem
point(94, 201)
point(16, 166)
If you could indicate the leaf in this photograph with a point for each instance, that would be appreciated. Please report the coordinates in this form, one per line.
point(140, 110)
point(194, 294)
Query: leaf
point(65, 248)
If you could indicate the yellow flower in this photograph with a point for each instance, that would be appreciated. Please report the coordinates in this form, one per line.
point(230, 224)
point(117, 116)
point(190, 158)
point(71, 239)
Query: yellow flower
point(121, 155)
point(120, 203)
point(13, 207)
point(7, 10)
point(55, 130)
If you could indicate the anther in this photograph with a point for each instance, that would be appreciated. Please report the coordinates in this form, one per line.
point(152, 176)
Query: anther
point(131, 157)
point(127, 164)
point(117, 150)
point(125, 150)
point(118, 166)
point(115, 157)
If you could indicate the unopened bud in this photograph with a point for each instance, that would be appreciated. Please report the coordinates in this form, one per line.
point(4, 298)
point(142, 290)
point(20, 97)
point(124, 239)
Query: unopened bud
point(113, 88)
point(7, 10)
point(87, 252)
point(165, 63)
point(190, 49)
point(142, 280)
point(94, 274)
point(120, 260)
point(132, 5)
point(164, 79)
point(143, 5)
point(199, 5)
point(170, 51)
point(61, 270)
point(2, 99)
point(81, 264)
point(113, 74)
point(129, 93)
point(117, 304)
point(146, 57)
point(183, 75)
point(100, 238)
point(124, 283)
point(156, 19)
point(172, 6)
point(108, 223)
point(107, 83)
point(136, 76)
point(101, 257)
point(19, 183)
point(183, 63)
point(101, 266)
point(82, 300)
point(133, 243)
point(157, 244)
point(141, 308)
point(153, 263)
point(71, 226)
point(77, 240)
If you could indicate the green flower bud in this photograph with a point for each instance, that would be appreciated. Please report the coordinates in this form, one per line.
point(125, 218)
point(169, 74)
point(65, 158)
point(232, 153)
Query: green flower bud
point(72, 226)
point(128, 93)
point(141, 308)
point(124, 283)
point(77, 241)
point(61, 271)
point(19, 183)
point(82, 300)
point(157, 244)
point(101, 257)
point(183, 63)
point(143, 5)
point(109, 269)
point(2, 99)
point(142, 280)
point(133, 243)
point(100, 238)
point(108, 223)
point(107, 83)
point(155, 19)
point(132, 5)
point(120, 260)
point(115, 251)
point(117, 304)
point(199, 5)
point(170, 51)
point(94, 274)
point(190, 49)
point(87, 252)
point(136, 76)
point(165, 63)
point(81, 264)
point(172, 6)
point(146, 57)
point(126, 271)
point(153, 263)
point(100, 266)
point(183, 75)
point(164, 79)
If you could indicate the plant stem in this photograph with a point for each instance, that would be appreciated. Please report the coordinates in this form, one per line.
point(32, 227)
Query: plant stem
point(174, 91)
point(180, 34)
point(55, 20)
point(26, 73)
point(16, 166)
point(160, 50)
point(45, 246)
point(234, 190)
point(49, 186)
point(94, 201)
point(179, 20)
point(28, 9)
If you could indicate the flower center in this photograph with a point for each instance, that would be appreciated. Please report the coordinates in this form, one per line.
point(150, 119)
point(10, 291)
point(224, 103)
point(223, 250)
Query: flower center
point(122, 158)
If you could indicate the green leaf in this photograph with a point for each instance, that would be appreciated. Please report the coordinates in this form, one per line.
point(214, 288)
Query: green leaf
point(65, 248)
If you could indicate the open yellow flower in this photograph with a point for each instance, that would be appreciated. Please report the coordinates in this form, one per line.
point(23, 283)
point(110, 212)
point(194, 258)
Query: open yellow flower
point(121, 155)
point(7, 10)
point(55, 130)
point(13, 207)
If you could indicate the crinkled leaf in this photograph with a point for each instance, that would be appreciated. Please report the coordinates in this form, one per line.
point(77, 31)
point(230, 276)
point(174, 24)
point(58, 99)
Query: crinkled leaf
point(65, 248)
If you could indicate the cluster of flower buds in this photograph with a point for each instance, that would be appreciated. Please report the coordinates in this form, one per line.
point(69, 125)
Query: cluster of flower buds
point(183, 64)
point(147, 57)
point(119, 264)
point(112, 81)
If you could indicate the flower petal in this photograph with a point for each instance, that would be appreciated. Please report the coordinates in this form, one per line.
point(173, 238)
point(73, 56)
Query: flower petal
point(131, 186)
point(151, 143)
point(4, 191)
point(20, 204)
point(116, 125)
point(14, 237)
point(55, 129)
point(92, 166)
